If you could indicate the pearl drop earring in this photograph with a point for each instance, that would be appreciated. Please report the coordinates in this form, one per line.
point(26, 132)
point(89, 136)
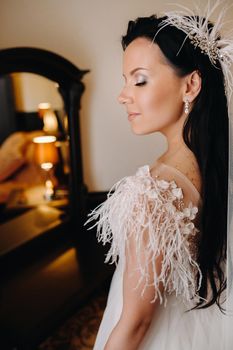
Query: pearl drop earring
point(186, 106)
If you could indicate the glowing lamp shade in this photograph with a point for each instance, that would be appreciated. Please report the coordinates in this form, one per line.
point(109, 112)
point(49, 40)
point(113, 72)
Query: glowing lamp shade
point(45, 151)
point(49, 117)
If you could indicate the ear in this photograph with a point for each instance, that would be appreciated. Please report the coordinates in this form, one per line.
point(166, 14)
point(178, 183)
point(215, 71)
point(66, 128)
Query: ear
point(192, 86)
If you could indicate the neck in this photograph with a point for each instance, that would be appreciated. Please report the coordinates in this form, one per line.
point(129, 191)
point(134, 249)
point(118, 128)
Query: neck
point(174, 136)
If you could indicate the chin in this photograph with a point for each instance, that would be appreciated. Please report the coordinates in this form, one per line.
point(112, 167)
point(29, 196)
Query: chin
point(142, 131)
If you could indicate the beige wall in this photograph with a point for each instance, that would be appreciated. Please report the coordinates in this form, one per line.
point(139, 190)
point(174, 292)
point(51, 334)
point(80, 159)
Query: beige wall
point(32, 89)
point(88, 34)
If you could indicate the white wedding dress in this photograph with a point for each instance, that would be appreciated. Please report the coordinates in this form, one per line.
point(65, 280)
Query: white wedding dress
point(167, 205)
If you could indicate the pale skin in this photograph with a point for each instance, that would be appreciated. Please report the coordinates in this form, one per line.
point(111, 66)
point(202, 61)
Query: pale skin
point(154, 97)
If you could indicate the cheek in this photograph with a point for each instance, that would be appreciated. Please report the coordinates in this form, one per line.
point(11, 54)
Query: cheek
point(163, 104)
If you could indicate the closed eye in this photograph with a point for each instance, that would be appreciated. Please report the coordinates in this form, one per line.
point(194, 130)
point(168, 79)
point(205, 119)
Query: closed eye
point(141, 83)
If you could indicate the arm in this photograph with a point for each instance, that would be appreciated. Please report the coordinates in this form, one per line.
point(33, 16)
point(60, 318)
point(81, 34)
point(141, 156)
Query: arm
point(154, 228)
point(137, 310)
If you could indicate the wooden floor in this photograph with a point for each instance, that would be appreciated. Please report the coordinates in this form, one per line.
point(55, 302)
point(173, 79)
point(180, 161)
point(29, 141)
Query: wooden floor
point(46, 280)
point(38, 297)
point(79, 331)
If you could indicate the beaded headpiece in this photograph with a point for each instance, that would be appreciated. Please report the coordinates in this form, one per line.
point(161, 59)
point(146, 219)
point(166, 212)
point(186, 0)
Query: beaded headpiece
point(207, 38)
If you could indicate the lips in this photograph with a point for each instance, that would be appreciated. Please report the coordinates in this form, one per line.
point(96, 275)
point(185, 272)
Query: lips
point(132, 115)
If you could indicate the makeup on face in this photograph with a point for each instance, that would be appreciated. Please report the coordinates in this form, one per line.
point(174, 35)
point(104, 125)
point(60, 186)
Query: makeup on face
point(152, 92)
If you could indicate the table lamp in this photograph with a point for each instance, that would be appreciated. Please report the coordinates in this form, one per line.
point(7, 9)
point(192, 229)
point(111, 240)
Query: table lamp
point(49, 118)
point(46, 156)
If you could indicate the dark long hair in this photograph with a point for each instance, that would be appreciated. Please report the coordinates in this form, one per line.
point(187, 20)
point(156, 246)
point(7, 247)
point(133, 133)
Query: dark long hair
point(206, 134)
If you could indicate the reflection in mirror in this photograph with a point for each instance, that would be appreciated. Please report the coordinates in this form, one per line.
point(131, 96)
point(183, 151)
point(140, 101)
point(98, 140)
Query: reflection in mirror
point(34, 144)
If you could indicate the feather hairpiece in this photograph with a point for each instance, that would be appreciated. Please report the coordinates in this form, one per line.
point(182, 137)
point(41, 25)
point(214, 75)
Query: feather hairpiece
point(209, 41)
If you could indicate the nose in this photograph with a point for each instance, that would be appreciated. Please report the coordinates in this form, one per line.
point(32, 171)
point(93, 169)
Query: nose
point(124, 97)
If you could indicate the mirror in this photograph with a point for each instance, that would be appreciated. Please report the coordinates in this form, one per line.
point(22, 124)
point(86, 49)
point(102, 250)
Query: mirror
point(40, 95)
point(37, 109)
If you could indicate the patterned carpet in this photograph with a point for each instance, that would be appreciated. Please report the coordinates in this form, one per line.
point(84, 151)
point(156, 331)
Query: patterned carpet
point(79, 332)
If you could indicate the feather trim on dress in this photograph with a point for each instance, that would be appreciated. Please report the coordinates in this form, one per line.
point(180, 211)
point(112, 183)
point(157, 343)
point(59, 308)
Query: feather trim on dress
point(151, 211)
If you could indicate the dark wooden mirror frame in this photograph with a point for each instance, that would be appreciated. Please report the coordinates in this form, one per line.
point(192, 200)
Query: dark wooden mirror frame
point(68, 77)
point(30, 291)
point(36, 267)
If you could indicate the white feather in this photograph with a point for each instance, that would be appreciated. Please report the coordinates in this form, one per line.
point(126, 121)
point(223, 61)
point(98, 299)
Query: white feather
point(145, 210)
point(217, 43)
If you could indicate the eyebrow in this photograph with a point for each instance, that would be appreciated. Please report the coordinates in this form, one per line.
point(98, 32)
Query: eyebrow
point(135, 70)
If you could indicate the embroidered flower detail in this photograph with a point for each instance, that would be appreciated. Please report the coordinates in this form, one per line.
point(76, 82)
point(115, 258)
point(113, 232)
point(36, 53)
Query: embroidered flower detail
point(190, 211)
point(152, 194)
point(142, 171)
point(152, 212)
point(173, 184)
point(188, 228)
point(171, 209)
point(163, 184)
point(177, 192)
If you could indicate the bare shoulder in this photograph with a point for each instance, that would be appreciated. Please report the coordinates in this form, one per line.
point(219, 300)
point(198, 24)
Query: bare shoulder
point(186, 164)
point(189, 169)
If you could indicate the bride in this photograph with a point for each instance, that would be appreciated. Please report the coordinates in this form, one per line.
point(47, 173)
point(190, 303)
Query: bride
point(167, 224)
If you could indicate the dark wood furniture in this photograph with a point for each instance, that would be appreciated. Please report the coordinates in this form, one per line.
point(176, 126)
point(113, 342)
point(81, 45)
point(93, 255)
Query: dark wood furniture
point(45, 281)
point(49, 263)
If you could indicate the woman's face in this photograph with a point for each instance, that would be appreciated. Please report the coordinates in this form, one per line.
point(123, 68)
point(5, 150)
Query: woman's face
point(153, 92)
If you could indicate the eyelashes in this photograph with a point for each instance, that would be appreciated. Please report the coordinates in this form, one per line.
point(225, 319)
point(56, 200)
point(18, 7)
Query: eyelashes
point(141, 83)
point(140, 80)
point(137, 81)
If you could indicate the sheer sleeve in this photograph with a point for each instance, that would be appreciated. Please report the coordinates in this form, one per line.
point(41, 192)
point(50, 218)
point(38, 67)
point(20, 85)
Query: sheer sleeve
point(153, 213)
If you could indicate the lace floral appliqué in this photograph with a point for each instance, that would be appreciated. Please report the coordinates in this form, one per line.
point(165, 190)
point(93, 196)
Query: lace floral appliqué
point(151, 211)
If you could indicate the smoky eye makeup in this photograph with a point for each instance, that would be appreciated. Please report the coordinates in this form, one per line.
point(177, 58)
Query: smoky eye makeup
point(140, 80)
